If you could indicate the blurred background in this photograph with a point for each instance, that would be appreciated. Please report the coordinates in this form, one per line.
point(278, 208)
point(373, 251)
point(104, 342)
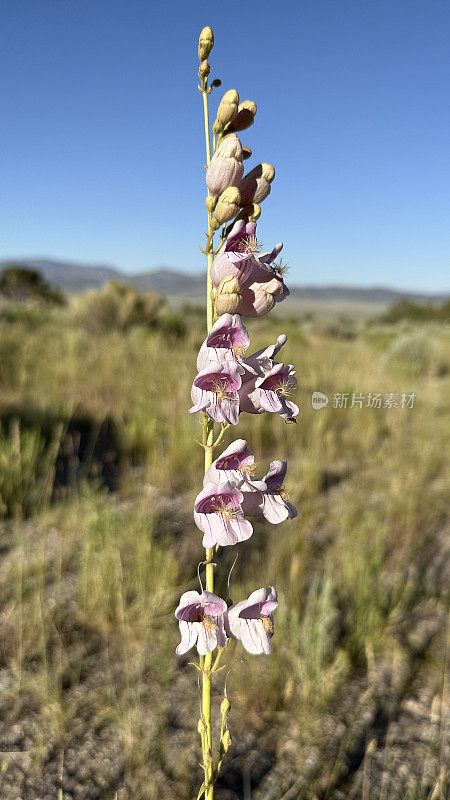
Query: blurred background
point(101, 316)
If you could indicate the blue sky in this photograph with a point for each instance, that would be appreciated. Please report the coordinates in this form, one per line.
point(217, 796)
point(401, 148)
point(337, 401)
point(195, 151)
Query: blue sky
point(101, 136)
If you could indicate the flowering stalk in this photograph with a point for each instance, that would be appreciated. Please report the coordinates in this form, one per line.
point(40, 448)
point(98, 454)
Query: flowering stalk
point(240, 281)
point(208, 439)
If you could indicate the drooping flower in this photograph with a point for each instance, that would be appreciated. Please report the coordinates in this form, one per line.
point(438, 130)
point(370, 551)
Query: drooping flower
point(215, 391)
point(251, 621)
point(227, 340)
point(218, 513)
point(274, 503)
point(201, 621)
point(270, 392)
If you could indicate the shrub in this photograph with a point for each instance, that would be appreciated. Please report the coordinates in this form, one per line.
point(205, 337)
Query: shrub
point(416, 353)
point(21, 284)
point(117, 306)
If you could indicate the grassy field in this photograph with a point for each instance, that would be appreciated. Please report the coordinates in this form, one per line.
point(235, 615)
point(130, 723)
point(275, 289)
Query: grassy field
point(98, 472)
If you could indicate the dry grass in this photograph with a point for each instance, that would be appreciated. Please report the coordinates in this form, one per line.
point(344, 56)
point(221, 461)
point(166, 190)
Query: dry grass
point(89, 580)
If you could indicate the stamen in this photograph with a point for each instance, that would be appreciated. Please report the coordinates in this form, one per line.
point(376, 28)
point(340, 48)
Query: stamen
point(220, 507)
point(248, 469)
point(282, 491)
point(249, 244)
point(285, 388)
point(210, 624)
point(238, 350)
point(267, 625)
point(221, 391)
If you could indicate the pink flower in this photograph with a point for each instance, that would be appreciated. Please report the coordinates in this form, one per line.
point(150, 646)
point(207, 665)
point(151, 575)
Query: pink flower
point(269, 392)
point(261, 286)
point(215, 391)
point(238, 256)
point(227, 339)
point(201, 621)
point(274, 504)
point(218, 513)
point(251, 621)
point(233, 465)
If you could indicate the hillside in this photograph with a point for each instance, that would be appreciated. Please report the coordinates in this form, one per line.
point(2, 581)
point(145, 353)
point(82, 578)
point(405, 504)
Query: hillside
point(73, 277)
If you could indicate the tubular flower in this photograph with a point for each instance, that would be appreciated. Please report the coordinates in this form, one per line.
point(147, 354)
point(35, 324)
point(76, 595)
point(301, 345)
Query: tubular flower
point(261, 285)
point(269, 392)
point(239, 257)
point(227, 339)
point(234, 465)
point(274, 504)
point(218, 513)
point(251, 621)
point(215, 391)
point(226, 167)
point(201, 621)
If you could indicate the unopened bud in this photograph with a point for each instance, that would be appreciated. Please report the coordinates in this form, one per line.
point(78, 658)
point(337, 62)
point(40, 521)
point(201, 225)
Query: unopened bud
point(246, 152)
point(228, 108)
point(225, 706)
point(210, 203)
point(204, 69)
point(245, 116)
point(226, 167)
point(226, 740)
point(227, 296)
point(227, 205)
point(255, 186)
point(205, 43)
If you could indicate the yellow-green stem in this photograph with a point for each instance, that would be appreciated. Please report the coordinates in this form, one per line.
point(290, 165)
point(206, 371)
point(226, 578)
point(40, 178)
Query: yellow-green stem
point(208, 441)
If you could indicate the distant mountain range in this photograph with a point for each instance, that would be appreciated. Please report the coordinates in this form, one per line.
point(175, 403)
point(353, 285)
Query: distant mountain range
point(73, 278)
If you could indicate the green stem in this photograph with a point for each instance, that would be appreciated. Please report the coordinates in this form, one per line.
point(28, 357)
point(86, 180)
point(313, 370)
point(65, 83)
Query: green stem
point(208, 441)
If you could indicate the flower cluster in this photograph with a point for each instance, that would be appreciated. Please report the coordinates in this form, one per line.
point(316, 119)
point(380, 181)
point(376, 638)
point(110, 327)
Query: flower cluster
point(231, 492)
point(228, 382)
point(205, 621)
